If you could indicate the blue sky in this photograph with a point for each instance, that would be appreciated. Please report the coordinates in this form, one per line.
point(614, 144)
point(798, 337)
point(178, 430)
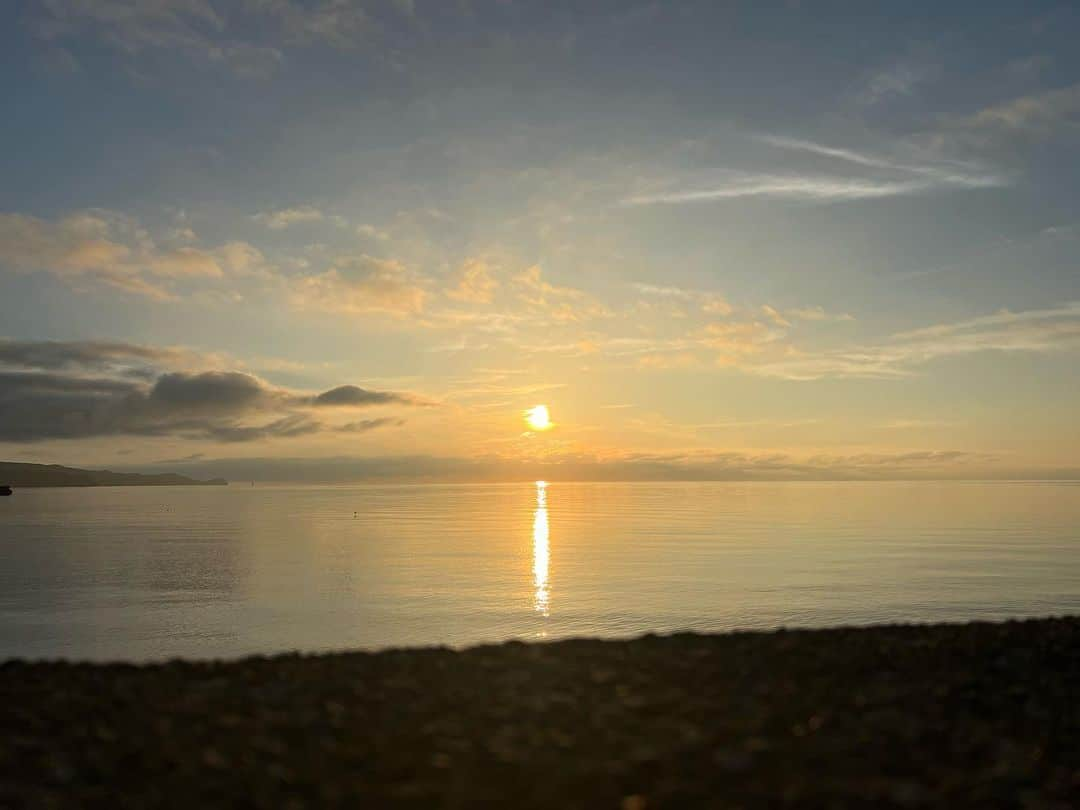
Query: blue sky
point(706, 236)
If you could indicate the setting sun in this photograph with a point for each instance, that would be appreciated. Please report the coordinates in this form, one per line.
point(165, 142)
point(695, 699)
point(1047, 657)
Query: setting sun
point(538, 417)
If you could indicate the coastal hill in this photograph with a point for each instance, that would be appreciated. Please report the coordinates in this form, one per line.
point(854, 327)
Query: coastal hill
point(15, 474)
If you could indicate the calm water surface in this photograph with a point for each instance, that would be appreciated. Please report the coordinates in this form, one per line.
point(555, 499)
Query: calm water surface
point(149, 573)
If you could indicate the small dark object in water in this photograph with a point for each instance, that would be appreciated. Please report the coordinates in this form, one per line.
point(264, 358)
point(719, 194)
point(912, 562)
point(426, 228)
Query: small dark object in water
point(5, 490)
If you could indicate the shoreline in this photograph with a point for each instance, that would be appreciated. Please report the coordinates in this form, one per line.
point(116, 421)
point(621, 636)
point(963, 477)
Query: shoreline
point(978, 714)
point(257, 657)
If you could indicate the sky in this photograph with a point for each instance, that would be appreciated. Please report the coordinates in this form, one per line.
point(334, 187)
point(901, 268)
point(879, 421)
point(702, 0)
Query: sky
point(325, 240)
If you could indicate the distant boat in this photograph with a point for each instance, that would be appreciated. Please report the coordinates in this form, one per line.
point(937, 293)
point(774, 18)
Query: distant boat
point(5, 490)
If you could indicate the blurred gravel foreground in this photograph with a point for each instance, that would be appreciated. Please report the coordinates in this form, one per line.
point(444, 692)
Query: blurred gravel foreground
point(977, 715)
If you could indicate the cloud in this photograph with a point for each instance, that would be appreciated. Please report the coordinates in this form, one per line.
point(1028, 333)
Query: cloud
point(247, 61)
point(247, 39)
point(362, 284)
point(364, 425)
point(736, 339)
point(183, 459)
point(114, 250)
point(332, 22)
point(208, 393)
point(133, 26)
point(668, 360)
point(773, 315)
point(473, 282)
point(664, 292)
point(720, 342)
point(1033, 116)
point(711, 303)
point(75, 391)
point(1031, 331)
point(963, 175)
point(354, 396)
point(536, 290)
point(900, 79)
point(288, 427)
point(283, 218)
point(557, 303)
point(743, 185)
point(759, 342)
point(816, 314)
point(95, 355)
point(459, 345)
point(889, 179)
point(371, 232)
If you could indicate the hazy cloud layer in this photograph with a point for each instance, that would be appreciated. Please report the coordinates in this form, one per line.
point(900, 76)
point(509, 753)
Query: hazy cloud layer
point(919, 465)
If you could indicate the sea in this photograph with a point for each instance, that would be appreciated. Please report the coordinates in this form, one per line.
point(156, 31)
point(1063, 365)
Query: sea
point(155, 573)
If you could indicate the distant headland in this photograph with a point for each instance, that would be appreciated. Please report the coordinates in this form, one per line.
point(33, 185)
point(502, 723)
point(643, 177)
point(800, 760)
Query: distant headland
point(16, 475)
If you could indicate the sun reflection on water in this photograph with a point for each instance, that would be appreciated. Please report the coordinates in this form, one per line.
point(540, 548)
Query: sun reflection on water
point(542, 595)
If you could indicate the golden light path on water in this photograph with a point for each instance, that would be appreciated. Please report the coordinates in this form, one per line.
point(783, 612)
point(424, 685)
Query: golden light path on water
point(541, 552)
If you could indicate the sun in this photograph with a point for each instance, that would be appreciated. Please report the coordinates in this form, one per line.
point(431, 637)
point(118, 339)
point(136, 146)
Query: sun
point(538, 417)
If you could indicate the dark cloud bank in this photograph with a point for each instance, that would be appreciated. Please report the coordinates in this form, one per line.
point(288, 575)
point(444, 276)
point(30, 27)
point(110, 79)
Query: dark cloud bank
point(86, 390)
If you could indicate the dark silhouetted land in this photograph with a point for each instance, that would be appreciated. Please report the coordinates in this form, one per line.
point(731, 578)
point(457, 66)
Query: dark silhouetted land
point(978, 715)
point(15, 474)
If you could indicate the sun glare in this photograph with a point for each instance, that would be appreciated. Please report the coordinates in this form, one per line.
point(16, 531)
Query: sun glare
point(538, 417)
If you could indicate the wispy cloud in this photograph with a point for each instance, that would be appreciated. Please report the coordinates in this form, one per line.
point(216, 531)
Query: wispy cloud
point(889, 179)
point(283, 218)
point(473, 282)
point(556, 302)
point(191, 27)
point(816, 314)
point(963, 175)
point(742, 185)
point(1041, 330)
point(900, 79)
point(248, 39)
point(369, 231)
point(1035, 115)
point(710, 302)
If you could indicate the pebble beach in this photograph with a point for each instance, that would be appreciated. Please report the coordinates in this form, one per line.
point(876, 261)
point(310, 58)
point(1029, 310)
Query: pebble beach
point(966, 715)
